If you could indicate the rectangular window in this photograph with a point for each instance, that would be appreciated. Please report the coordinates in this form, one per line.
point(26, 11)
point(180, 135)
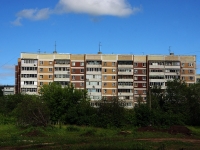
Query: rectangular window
point(143, 71)
point(105, 77)
point(135, 64)
point(41, 69)
point(104, 91)
point(50, 62)
point(81, 84)
point(82, 70)
point(190, 71)
point(135, 92)
point(73, 63)
point(135, 71)
point(183, 78)
point(135, 84)
point(113, 63)
point(81, 63)
point(183, 64)
point(143, 78)
point(105, 63)
point(135, 78)
point(105, 70)
point(113, 70)
point(41, 83)
point(41, 62)
point(41, 76)
point(143, 84)
point(104, 84)
point(190, 64)
point(113, 91)
point(144, 64)
point(113, 77)
point(50, 76)
point(144, 91)
point(50, 69)
point(73, 70)
point(113, 84)
point(73, 77)
point(191, 78)
point(82, 77)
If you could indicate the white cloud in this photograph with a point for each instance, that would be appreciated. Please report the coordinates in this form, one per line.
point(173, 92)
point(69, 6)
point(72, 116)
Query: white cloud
point(117, 8)
point(97, 7)
point(32, 14)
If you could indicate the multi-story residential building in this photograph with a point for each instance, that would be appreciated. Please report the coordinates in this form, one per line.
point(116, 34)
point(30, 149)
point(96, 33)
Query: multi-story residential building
point(7, 89)
point(104, 76)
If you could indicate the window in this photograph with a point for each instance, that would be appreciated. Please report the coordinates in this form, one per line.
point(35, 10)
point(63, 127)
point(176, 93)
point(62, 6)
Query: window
point(73, 70)
point(135, 92)
point(41, 76)
point(81, 84)
point(105, 70)
point(50, 62)
point(144, 64)
point(183, 71)
point(113, 77)
point(50, 69)
point(73, 77)
point(113, 91)
point(41, 83)
point(190, 64)
point(144, 91)
point(190, 71)
point(191, 78)
point(104, 84)
point(135, 84)
point(135, 64)
point(135, 78)
point(113, 70)
point(104, 91)
point(105, 63)
point(113, 84)
point(82, 77)
point(143, 78)
point(183, 64)
point(183, 78)
point(50, 76)
point(105, 77)
point(73, 63)
point(81, 63)
point(135, 71)
point(144, 84)
point(41, 69)
point(82, 70)
point(113, 63)
point(41, 62)
point(143, 71)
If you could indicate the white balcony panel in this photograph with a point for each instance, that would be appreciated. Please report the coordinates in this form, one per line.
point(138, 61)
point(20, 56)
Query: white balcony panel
point(125, 94)
point(94, 93)
point(125, 80)
point(28, 86)
point(156, 66)
point(125, 66)
point(61, 65)
point(93, 79)
point(93, 86)
point(125, 73)
point(172, 73)
point(29, 65)
point(93, 72)
point(28, 79)
point(61, 79)
point(173, 67)
point(157, 80)
point(93, 66)
point(61, 72)
point(29, 72)
point(125, 87)
point(156, 73)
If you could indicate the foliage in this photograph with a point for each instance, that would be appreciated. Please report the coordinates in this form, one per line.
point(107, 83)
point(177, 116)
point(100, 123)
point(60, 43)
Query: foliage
point(32, 111)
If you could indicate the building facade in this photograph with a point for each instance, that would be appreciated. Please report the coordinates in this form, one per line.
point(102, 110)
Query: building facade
point(104, 76)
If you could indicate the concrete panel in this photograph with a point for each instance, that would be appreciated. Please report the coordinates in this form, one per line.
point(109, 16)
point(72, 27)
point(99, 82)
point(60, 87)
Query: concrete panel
point(109, 57)
point(93, 57)
point(61, 56)
point(28, 56)
point(125, 57)
point(139, 58)
point(45, 56)
point(155, 57)
point(77, 57)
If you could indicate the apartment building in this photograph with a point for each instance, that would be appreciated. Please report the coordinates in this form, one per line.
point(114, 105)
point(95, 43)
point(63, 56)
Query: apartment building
point(104, 76)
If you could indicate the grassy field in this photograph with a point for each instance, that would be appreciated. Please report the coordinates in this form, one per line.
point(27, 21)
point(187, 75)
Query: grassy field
point(75, 137)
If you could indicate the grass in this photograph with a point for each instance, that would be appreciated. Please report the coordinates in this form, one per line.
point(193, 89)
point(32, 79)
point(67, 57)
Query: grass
point(75, 137)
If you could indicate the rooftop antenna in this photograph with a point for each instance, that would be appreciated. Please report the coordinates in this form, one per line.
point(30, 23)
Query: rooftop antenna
point(100, 48)
point(169, 49)
point(55, 48)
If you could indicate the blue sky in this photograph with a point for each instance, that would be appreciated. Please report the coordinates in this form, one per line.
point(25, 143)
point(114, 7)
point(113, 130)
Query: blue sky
point(122, 26)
